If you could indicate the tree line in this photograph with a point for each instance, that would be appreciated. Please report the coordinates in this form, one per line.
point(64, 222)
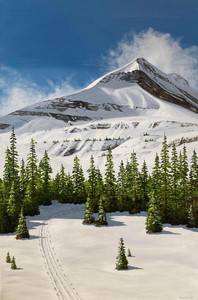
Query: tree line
point(171, 188)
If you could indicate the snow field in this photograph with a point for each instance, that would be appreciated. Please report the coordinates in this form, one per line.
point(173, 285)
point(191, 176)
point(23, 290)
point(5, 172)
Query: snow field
point(65, 259)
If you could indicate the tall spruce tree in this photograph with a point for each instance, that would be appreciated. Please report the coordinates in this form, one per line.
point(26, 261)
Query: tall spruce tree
point(144, 187)
point(4, 217)
point(110, 184)
point(184, 185)
point(45, 180)
point(175, 205)
point(92, 185)
point(122, 188)
point(165, 181)
point(79, 195)
point(194, 185)
point(30, 202)
point(134, 184)
point(23, 179)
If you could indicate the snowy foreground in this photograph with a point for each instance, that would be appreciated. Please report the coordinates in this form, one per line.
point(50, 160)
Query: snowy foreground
point(65, 259)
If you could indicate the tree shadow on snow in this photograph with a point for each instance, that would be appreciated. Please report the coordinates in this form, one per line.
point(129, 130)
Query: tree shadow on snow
point(112, 222)
point(131, 268)
point(165, 232)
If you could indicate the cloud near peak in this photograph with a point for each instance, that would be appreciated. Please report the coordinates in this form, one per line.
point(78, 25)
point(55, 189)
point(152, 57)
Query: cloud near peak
point(160, 49)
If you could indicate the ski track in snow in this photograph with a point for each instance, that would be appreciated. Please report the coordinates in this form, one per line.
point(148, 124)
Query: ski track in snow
point(63, 287)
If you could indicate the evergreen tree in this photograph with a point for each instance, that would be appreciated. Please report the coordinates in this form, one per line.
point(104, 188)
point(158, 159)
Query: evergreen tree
point(8, 259)
point(134, 183)
point(23, 179)
point(174, 206)
point(102, 218)
point(100, 183)
point(92, 185)
point(13, 263)
point(14, 160)
point(22, 230)
point(121, 260)
point(45, 180)
point(79, 194)
point(153, 221)
point(194, 184)
point(143, 187)
point(128, 173)
point(31, 203)
point(110, 184)
point(5, 222)
point(122, 196)
point(184, 186)
point(7, 180)
point(165, 182)
point(88, 218)
point(12, 207)
point(129, 253)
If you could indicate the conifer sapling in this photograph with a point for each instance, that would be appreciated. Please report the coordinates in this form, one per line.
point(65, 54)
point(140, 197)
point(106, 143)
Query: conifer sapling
point(121, 260)
point(129, 253)
point(102, 218)
point(8, 259)
point(153, 221)
point(13, 263)
point(22, 230)
point(88, 218)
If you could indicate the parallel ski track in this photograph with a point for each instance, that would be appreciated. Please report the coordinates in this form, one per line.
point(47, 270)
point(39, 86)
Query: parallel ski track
point(62, 286)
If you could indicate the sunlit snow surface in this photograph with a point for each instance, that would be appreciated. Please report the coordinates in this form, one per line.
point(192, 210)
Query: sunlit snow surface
point(65, 259)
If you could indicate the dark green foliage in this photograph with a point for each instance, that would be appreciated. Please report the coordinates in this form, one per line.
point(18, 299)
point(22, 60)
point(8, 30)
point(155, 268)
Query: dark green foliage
point(110, 184)
point(13, 263)
point(8, 259)
point(79, 191)
point(44, 180)
point(92, 187)
point(153, 221)
point(88, 218)
point(22, 230)
point(121, 189)
point(134, 186)
point(102, 218)
point(144, 187)
point(121, 260)
point(165, 181)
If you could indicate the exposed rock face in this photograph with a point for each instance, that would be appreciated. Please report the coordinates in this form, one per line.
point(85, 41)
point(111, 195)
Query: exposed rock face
point(131, 91)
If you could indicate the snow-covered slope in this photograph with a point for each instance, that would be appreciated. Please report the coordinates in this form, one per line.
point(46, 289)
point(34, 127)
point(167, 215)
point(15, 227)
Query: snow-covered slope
point(128, 109)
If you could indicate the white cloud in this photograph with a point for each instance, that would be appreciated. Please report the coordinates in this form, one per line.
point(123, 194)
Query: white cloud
point(18, 92)
point(161, 50)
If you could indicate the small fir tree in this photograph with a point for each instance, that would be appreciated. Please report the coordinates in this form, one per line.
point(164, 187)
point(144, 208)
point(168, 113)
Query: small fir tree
point(102, 218)
point(88, 218)
point(22, 230)
point(8, 258)
point(13, 263)
point(153, 221)
point(121, 260)
point(129, 253)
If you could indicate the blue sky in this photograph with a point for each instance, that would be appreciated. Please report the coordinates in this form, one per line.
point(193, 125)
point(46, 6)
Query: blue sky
point(51, 44)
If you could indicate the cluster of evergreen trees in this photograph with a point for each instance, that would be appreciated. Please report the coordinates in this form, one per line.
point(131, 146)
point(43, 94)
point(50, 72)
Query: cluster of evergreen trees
point(172, 186)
